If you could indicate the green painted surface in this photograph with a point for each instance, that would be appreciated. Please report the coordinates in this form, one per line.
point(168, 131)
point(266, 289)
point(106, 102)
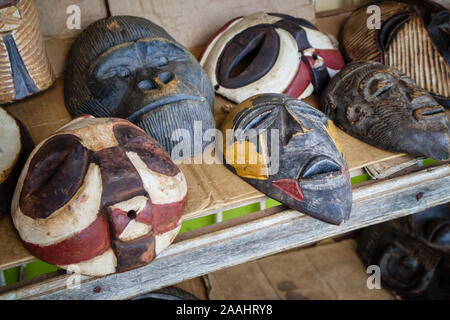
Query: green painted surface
point(197, 223)
point(360, 178)
point(11, 275)
point(234, 213)
point(37, 268)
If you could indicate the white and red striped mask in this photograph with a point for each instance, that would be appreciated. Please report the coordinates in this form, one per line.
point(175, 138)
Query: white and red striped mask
point(100, 194)
point(270, 53)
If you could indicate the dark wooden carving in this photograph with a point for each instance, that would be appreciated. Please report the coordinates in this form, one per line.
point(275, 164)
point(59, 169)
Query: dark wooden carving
point(413, 38)
point(385, 108)
point(268, 52)
point(413, 253)
point(24, 67)
point(130, 68)
point(289, 151)
point(15, 146)
point(99, 194)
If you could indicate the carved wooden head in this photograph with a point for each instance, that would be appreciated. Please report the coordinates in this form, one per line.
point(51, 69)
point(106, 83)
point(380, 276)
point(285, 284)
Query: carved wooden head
point(24, 66)
point(15, 146)
point(130, 68)
point(100, 194)
point(413, 253)
point(268, 52)
point(385, 108)
point(289, 151)
point(413, 37)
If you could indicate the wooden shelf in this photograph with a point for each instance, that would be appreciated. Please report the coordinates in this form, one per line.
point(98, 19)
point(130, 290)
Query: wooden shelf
point(248, 238)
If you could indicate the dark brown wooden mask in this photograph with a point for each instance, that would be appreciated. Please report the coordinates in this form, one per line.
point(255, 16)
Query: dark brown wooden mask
point(387, 109)
point(413, 253)
point(99, 196)
point(288, 150)
point(130, 68)
point(270, 52)
point(15, 146)
point(24, 66)
point(414, 38)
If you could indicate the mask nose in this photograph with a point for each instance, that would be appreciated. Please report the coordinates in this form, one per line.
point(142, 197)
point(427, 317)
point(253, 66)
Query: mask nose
point(156, 82)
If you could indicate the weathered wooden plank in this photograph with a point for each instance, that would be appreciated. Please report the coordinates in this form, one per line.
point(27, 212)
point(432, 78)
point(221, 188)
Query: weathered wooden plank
point(190, 258)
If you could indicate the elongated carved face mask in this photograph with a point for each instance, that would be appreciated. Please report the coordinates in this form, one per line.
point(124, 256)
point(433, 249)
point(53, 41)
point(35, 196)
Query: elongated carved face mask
point(268, 52)
point(387, 109)
point(130, 68)
point(413, 37)
point(287, 150)
point(99, 194)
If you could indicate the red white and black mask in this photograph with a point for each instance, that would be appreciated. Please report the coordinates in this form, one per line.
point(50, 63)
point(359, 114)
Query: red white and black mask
point(99, 194)
point(270, 53)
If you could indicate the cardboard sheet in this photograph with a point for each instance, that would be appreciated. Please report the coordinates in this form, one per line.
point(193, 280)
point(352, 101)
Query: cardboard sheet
point(54, 14)
point(326, 272)
point(193, 23)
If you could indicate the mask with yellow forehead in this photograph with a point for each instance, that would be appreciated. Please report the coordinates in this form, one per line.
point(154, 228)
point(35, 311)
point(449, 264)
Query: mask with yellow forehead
point(288, 150)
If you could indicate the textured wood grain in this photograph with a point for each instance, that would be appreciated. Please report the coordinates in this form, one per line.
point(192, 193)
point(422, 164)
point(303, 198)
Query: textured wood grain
point(30, 45)
point(358, 41)
point(372, 204)
point(413, 53)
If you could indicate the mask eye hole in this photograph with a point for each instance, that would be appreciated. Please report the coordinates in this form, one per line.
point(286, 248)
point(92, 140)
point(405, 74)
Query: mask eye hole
point(132, 214)
point(380, 87)
point(247, 58)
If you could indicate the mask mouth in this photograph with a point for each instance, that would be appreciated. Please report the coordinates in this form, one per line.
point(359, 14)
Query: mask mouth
point(429, 112)
point(319, 167)
point(161, 102)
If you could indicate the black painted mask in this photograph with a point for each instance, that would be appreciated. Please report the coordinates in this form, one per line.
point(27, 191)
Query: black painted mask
point(287, 150)
point(387, 109)
point(412, 252)
point(130, 68)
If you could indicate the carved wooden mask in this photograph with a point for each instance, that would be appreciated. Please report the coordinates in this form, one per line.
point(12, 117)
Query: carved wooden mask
point(268, 52)
point(24, 67)
point(414, 38)
point(385, 108)
point(99, 194)
point(15, 146)
point(413, 253)
point(130, 68)
point(289, 151)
